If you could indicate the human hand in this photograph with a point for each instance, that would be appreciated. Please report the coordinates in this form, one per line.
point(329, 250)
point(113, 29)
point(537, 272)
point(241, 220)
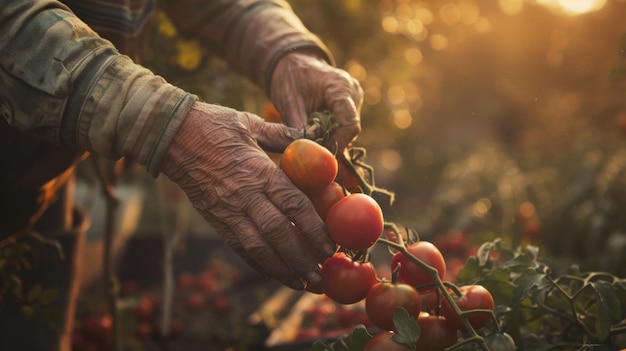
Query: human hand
point(303, 83)
point(217, 158)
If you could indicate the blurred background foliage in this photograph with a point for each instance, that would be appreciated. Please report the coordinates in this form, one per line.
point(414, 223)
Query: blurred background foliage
point(498, 118)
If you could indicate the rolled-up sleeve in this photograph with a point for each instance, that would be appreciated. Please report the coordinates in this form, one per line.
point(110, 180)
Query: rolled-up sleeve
point(61, 81)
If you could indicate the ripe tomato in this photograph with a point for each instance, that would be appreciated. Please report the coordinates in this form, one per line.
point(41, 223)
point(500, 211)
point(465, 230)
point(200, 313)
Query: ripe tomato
point(412, 273)
point(474, 297)
point(346, 281)
point(436, 333)
point(325, 199)
point(355, 222)
point(384, 297)
point(500, 342)
point(309, 165)
point(383, 342)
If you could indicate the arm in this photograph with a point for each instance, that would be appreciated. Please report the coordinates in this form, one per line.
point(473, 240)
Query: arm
point(267, 43)
point(70, 86)
point(251, 35)
point(61, 81)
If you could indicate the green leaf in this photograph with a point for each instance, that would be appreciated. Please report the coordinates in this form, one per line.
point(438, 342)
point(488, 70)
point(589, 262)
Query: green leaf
point(407, 329)
point(470, 271)
point(525, 284)
point(359, 337)
point(520, 262)
point(34, 292)
point(484, 251)
point(320, 345)
point(532, 251)
point(609, 308)
point(47, 296)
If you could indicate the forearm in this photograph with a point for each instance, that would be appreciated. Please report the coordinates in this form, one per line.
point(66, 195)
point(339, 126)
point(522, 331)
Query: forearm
point(61, 81)
point(251, 35)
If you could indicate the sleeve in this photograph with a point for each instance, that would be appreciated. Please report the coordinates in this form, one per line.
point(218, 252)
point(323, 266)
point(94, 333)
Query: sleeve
point(251, 35)
point(61, 81)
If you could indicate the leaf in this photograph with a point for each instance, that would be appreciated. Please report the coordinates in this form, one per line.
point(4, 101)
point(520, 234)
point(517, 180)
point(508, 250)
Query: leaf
point(532, 251)
point(47, 296)
point(34, 292)
point(320, 345)
point(470, 271)
point(407, 329)
point(609, 308)
point(484, 251)
point(359, 337)
point(527, 283)
point(521, 262)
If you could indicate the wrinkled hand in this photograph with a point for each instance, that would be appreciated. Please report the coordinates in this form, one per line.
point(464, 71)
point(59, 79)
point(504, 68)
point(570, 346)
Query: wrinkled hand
point(216, 157)
point(303, 83)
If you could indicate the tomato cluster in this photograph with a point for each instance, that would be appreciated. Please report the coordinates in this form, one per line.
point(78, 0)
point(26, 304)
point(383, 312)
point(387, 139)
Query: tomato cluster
point(355, 222)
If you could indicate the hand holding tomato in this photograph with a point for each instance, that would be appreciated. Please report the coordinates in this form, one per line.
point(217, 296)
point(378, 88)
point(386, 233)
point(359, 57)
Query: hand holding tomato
point(304, 82)
point(216, 157)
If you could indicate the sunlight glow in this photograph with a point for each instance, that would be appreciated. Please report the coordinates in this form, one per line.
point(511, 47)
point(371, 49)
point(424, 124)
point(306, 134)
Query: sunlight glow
point(573, 7)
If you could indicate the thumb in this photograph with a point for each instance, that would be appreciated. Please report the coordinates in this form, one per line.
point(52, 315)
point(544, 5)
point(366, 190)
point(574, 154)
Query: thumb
point(274, 137)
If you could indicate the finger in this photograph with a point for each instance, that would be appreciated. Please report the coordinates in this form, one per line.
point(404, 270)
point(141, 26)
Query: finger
point(260, 251)
point(347, 117)
point(299, 209)
point(279, 232)
point(273, 137)
point(233, 242)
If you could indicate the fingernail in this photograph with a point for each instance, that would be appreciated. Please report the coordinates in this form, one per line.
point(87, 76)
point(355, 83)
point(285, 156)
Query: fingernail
point(313, 277)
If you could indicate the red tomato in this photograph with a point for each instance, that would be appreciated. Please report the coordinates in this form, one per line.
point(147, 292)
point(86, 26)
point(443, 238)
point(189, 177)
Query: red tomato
point(383, 342)
point(474, 297)
point(346, 281)
point(412, 273)
point(355, 222)
point(384, 297)
point(310, 166)
point(436, 333)
point(326, 198)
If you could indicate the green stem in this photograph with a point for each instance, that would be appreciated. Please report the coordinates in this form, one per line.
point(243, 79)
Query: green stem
point(570, 300)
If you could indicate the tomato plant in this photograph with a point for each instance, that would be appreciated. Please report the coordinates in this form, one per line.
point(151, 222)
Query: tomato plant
point(383, 342)
point(384, 297)
point(414, 274)
point(322, 201)
point(310, 166)
point(500, 342)
point(436, 333)
point(346, 281)
point(355, 222)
